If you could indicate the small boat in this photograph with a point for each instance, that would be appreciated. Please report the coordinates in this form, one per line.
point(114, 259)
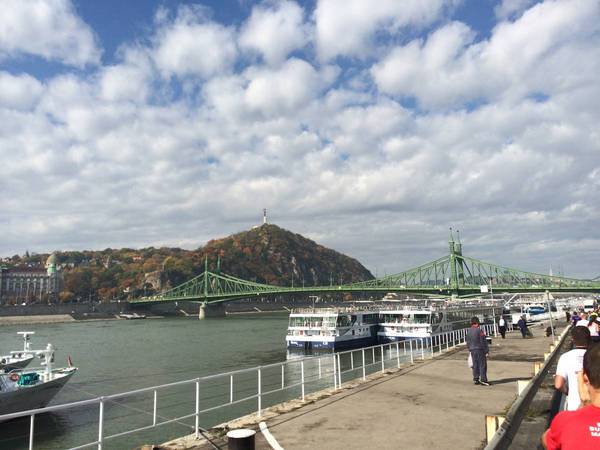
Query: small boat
point(132, 316)
point(25, 389)
point(18, 360)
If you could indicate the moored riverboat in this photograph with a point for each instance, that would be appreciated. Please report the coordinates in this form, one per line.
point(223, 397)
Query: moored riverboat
point(419, 322)
point(332, 328)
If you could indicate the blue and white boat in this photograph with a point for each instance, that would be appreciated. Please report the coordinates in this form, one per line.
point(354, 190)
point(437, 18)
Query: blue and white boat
point(332, 328)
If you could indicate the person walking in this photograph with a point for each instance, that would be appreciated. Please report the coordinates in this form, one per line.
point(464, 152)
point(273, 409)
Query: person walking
point(502, 327)
point(522, 324)
point(583, 321)
point(478, 347)
point(580, 430)
point(569, 364)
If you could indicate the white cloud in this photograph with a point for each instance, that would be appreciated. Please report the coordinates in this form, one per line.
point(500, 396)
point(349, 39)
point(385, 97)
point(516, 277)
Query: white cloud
point(282, 90)
point(129, 80)
point(539, 53)
point(330, 153)
point(47, 28)
point(274, 31)
point(511, 8)
point(347, 27)
point(193, 46)
point(19, 92)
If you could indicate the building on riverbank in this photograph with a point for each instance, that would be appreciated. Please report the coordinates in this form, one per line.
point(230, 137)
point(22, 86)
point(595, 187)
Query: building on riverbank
point(30, 284)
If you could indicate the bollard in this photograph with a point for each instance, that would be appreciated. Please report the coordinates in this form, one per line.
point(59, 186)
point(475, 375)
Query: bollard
point(521, 385)
point(241, 439)
point(537, 366)
point(492, 423)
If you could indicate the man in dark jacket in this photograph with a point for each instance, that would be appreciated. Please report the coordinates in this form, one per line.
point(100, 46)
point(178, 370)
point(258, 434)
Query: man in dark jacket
point(522, 324)
point(478, 347)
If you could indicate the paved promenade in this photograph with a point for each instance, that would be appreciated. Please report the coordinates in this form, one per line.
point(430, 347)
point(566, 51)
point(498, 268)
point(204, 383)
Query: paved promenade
point(432, 404)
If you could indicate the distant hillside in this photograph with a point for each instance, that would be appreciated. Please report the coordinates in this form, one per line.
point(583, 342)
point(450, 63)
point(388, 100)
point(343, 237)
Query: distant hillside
point(269, 254)
point(265, 254)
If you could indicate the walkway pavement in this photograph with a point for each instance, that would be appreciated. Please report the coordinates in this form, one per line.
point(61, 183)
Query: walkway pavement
point(432, 404)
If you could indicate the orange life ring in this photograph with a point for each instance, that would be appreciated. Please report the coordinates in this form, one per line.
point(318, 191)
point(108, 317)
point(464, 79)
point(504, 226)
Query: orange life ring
point(14, 377)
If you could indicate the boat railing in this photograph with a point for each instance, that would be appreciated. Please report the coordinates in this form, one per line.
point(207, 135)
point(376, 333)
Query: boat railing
point(336, 310)
point(251, 389)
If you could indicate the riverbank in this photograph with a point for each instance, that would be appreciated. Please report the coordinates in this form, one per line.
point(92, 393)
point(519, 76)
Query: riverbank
point(31, 320)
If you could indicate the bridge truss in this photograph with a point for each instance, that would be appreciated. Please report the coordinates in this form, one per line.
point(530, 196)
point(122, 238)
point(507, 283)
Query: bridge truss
point(451, 275)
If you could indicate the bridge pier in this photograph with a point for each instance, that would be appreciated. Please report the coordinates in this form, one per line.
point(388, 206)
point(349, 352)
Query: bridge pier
point(209, 311)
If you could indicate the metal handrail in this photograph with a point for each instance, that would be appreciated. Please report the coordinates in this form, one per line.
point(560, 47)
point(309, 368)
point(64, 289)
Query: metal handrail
point(328, 365)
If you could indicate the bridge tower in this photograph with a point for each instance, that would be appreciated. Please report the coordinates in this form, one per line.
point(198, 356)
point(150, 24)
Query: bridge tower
point(457, 271)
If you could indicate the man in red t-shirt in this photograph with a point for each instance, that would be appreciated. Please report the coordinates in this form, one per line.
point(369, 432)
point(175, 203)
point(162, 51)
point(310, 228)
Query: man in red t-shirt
point(580, 429)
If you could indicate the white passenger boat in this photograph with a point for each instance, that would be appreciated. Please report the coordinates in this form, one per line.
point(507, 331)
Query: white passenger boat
point(132, 316)
point(24, 389)
point(417, 322)
point(18, 359)
point(332, 328)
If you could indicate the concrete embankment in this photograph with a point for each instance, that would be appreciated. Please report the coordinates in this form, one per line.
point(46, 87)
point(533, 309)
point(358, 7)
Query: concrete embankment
point(35, 319)
point(432, 404)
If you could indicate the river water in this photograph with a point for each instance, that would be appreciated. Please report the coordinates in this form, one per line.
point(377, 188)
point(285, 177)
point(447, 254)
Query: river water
point(118, 355)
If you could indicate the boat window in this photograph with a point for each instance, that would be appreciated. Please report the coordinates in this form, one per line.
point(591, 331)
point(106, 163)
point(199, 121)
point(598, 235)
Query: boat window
point(343, 321)
point(421, 318)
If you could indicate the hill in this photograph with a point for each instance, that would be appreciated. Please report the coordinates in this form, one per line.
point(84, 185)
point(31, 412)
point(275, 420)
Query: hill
point(265, 254)
point(273, 255)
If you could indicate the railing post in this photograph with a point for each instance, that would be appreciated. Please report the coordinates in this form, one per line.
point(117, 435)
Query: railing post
point(398, 353)
point(382, 360)
point(319, 367)
point(197, 418)
point(447, 341)
point(351, 360)
point(412, 359)
point(282, 376)
point(422, 350)
point(302, 377)
point(31, 432)
point(259, 393)
point(101, 424)
point(373, 353)
point(154, 408)
point(231, 388)
point(339, 371)
point(363, 364)
point(334, 373)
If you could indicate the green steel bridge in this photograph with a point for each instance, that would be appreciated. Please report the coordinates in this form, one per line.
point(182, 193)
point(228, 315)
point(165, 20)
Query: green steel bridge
point(452, 275)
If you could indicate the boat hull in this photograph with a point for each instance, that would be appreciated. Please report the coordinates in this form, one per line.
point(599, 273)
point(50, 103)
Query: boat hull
point(15, 365)
point(345, 344)
point(31, 397)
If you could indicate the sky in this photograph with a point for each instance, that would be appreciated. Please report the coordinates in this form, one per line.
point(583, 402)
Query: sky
point(370, 127)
